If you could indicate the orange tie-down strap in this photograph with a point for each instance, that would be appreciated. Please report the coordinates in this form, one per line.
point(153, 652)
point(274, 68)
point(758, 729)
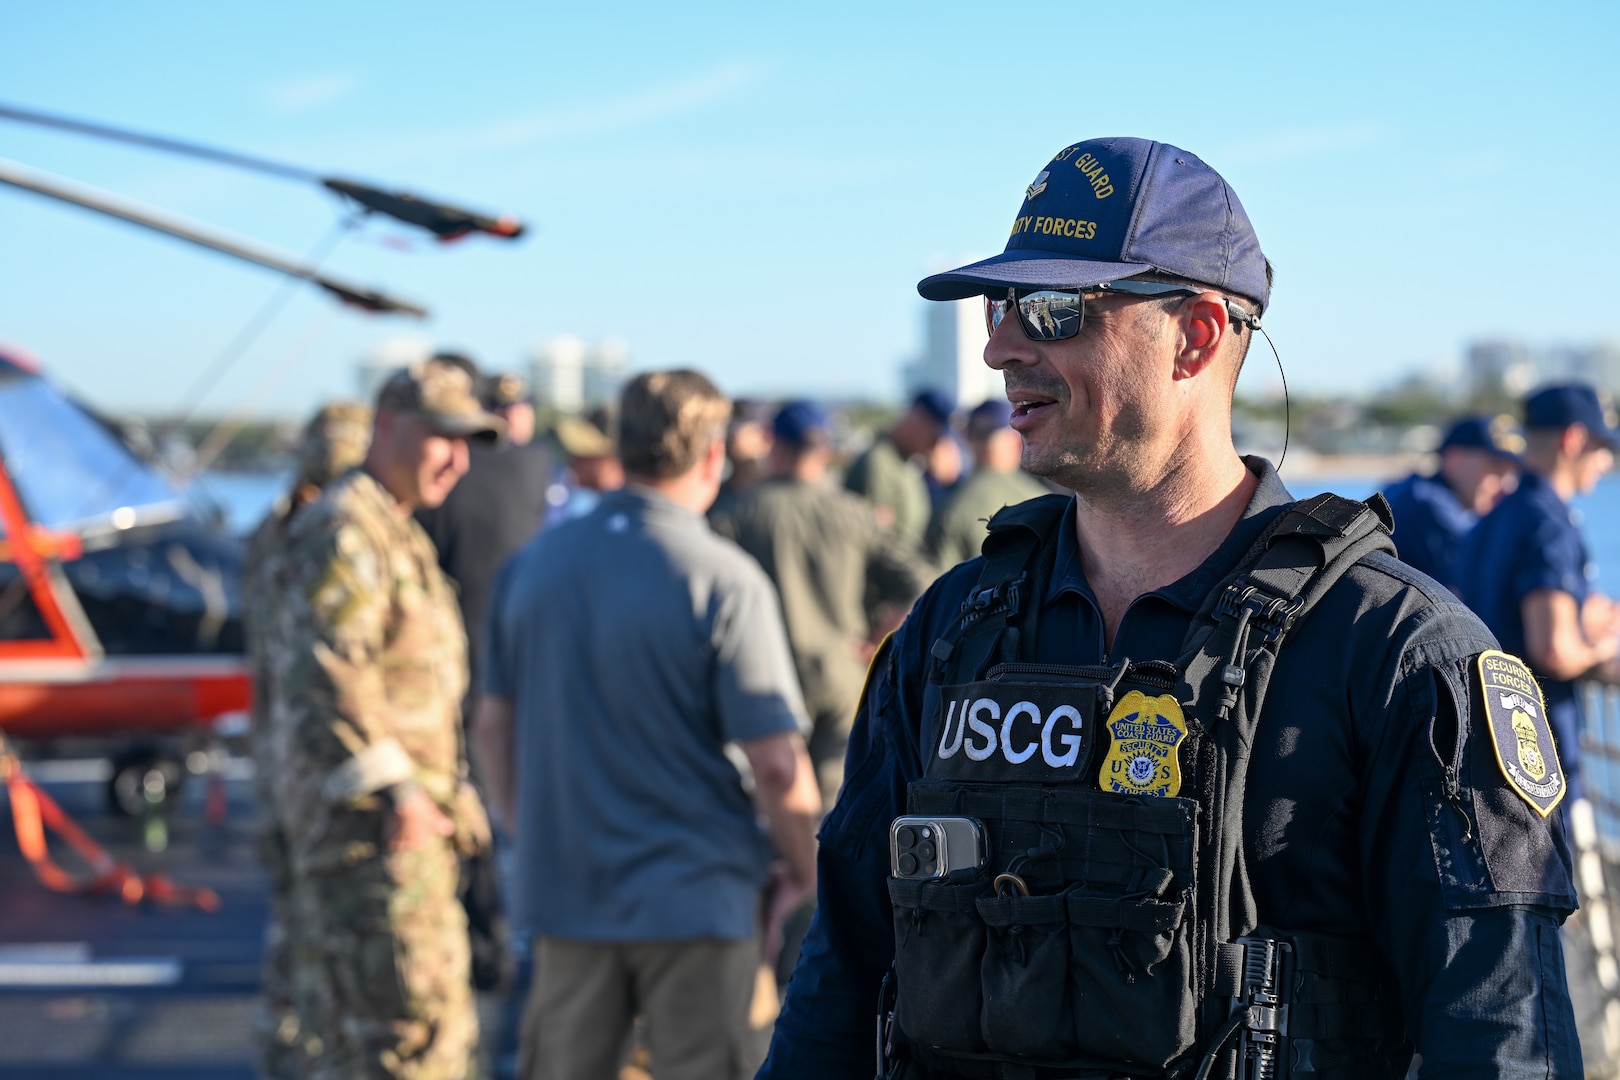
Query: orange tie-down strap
point(33, 811)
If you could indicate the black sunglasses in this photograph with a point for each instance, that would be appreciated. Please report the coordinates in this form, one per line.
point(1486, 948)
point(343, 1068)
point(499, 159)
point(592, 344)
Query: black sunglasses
point(1056, 314)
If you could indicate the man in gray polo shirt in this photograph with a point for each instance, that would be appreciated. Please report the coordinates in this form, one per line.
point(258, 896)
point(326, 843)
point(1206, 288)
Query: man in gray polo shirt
point(626, 649)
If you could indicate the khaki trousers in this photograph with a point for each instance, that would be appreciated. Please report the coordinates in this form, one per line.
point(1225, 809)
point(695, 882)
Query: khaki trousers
point(692, 995)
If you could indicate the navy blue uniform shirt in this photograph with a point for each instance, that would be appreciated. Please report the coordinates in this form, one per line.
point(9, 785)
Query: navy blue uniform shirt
point(1347, 830)
point(1529, 542)
point(1431, 524)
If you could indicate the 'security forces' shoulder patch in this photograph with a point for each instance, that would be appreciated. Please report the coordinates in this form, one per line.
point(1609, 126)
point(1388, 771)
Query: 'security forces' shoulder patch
point(1143, 735)
point(1518, 720)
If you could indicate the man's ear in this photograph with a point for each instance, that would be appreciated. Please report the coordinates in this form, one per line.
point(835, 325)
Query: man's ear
point(1203, 325)
point(714, 459)
point(382, 427)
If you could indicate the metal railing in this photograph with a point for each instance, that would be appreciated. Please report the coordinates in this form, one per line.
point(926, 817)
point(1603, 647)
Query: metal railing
point(1590, 952)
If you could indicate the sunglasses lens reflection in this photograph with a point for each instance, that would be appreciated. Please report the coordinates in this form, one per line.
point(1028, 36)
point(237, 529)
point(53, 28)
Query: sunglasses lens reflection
point(1046, 315)
point(994, 312)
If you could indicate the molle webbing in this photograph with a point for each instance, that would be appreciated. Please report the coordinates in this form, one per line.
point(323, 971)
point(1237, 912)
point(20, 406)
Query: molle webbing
point(1226, 664)
point(936, 797)
point(1132, 845)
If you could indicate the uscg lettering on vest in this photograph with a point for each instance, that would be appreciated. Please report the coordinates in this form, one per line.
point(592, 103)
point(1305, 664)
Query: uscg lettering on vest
point(1014, 732)
point(1144, 734)
point(1517, 716)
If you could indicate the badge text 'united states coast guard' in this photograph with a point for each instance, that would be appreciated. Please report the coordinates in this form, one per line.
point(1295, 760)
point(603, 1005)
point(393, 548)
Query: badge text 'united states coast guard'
point(1519, 732)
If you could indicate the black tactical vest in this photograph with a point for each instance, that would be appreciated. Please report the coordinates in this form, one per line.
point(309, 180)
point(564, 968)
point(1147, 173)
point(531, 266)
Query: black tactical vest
point(1110, 929)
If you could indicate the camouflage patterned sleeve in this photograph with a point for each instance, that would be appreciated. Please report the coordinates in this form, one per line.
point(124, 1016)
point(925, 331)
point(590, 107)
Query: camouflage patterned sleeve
point(343, 727)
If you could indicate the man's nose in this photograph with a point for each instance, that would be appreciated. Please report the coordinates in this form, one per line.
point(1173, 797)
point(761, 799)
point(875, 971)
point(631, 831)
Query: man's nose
point(1008, 344)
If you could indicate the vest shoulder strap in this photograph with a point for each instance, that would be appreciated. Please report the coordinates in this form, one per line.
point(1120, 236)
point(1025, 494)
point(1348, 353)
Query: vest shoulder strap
point(1019, 553)
point(1285, 573)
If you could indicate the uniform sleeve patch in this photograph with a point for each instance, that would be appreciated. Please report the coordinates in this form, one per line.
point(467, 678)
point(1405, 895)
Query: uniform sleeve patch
point(1518, 720)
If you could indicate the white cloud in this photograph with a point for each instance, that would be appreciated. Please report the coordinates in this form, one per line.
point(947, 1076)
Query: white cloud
point(596, 118)
point(1280, 146)
point(303, 93)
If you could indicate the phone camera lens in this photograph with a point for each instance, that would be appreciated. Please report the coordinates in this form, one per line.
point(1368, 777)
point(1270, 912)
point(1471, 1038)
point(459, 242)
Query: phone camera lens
point(925, 851)
point(908, 864)
point(906, 836)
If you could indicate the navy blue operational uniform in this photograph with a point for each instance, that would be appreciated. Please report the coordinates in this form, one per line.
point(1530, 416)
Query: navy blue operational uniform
point(1376, 813)
point(1531, 541)
point(1432, 517)
point(1431, 524)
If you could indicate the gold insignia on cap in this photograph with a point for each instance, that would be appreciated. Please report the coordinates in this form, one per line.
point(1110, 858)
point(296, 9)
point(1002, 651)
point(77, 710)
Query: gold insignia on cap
point(1037, 186)
point(1143, 736)
point(1517, 717)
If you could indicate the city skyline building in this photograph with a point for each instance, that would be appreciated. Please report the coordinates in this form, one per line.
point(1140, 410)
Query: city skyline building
point(1502, 366)
point(952, 360)
point(571, 375)
point(385, 357)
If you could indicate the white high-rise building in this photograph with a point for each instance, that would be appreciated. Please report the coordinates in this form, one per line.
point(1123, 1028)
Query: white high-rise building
point(952, 361)
point(571, 376)
point(559, 374)
point(386, 357)
point(604, 372)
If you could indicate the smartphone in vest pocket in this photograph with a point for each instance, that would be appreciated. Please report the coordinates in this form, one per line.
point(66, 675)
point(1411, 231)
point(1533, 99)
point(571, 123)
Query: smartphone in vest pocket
point(935, 847)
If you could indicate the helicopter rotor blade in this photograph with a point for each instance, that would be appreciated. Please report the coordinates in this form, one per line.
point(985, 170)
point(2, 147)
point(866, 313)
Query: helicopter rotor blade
point(444, 220)
point(441, 219)
point(27, 179)
point(155, 142)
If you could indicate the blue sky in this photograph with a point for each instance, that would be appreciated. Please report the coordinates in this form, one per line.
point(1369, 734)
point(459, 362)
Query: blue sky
point(755, 190)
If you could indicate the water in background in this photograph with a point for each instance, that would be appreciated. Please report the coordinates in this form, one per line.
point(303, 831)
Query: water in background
point(242, 499)
point(1601, 511)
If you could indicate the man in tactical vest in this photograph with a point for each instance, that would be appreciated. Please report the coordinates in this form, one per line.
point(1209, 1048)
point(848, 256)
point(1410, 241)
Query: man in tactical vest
point(1182, 778)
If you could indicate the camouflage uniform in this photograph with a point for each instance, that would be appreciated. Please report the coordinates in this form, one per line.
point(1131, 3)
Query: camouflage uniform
point(289, 1023)
point(367, 658)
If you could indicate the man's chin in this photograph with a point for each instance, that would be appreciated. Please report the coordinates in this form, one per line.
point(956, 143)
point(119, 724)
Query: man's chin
point(433, 498)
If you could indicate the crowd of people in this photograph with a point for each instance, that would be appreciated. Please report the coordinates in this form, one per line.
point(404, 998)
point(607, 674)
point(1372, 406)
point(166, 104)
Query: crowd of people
point(1494, 524)
point(688, 682)
point(588, 579)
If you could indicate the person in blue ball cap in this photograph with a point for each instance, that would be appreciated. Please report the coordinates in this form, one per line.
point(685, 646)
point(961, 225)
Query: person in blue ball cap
point(843, 580)
point(1177, 753)
point(958, 527)
point(1479, 463)
point(1524, 568)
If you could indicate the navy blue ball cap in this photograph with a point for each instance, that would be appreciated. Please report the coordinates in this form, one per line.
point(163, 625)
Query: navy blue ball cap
point(936, 405)
point(989, 418)
point(799, 422)
point(1573, 403)
point(1107, 209)
point(1497, 435)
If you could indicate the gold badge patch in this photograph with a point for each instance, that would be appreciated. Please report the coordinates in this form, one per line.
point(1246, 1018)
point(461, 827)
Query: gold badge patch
point(1143, 734)
point(1518, 720)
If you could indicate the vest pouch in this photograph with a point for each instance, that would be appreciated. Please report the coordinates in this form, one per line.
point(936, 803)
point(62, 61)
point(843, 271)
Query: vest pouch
point(1131, 977)
point(1025, 977)
point(938, 946)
